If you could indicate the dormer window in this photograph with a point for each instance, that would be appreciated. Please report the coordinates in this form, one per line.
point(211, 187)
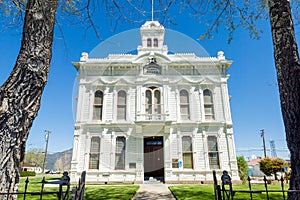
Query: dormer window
point(155, 42)
point(152, 67)
point(149, 42)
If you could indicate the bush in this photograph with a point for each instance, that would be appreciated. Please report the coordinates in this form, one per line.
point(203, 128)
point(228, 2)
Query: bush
point(271, 166)
point(243, 168)
point(27, 173)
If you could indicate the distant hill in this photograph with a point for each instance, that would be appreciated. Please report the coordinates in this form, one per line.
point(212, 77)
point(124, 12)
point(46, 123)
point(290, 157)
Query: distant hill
point(60, 161)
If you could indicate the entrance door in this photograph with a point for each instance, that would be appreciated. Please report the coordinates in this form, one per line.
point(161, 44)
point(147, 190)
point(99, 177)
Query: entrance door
point(153, 158)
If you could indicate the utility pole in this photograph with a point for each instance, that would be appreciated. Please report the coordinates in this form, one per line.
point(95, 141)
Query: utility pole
point(46, 148)
point(262, 134)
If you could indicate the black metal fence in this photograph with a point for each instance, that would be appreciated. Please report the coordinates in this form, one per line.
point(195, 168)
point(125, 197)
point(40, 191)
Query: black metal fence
point(226, 191)
point(63, 192)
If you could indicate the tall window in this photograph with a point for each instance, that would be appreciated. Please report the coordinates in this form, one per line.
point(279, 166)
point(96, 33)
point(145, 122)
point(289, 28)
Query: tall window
point(149, 42)
point(98, 105)
point(187, 152)
point(94, 153)
point(208, 104)
point(213, 153)
point(155, 42)
point(121, 105)
point(120, 152)
point(184, 105)
point(153, 104)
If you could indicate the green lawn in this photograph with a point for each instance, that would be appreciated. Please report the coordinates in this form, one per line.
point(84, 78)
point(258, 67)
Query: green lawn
point(35, 185)
point(126, 192)
point(92, 192)
point(205, 192)
point(96, 192)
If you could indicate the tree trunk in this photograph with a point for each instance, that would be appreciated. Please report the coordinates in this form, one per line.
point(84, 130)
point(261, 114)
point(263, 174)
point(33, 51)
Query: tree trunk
point(20, 95)
point(288, 68)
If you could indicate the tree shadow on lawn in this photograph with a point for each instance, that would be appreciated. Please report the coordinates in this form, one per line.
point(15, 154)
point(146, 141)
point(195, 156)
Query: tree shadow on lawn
point(205, 192)
point(97, 192)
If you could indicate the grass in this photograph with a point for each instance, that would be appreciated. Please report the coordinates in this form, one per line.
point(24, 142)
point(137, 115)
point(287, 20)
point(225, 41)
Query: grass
point(97, 192)
point(92, 192)
point(193, 192)
point(126, 192)
point(35, 185)
point(205, 192)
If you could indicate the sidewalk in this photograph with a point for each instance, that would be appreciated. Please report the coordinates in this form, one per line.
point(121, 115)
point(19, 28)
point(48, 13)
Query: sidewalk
point(158, 191)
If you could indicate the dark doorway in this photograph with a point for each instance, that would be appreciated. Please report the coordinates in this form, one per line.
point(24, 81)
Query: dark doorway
point(154, 158)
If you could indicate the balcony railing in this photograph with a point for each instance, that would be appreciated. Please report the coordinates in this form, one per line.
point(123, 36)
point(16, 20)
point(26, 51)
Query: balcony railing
point(151, 117)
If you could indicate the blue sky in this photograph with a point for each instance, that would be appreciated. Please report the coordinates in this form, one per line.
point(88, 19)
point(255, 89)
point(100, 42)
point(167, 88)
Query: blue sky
point(252, 85)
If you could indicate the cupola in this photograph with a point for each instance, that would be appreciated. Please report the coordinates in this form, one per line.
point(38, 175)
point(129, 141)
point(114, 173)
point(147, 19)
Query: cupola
point(152, 38)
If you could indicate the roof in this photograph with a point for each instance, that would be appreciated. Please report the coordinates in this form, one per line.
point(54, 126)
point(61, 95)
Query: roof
point(254, 162)
point(27, 165)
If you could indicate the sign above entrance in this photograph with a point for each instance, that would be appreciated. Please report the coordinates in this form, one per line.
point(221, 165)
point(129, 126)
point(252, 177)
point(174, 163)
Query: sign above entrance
point(154, 143)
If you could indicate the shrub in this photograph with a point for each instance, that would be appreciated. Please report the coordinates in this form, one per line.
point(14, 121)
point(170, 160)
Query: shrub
point(27, 173)
point(271, 166)
point(243, 168)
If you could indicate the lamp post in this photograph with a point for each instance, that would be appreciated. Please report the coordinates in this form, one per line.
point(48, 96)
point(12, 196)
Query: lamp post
point(46, 148)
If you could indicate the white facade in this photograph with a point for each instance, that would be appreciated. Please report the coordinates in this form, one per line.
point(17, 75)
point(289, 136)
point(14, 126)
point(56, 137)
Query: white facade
point(153, 114)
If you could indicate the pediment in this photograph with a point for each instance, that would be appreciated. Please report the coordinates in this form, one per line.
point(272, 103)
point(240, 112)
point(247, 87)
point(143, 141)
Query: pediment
point(96, 81)
point(208, 81)
point(183, 80)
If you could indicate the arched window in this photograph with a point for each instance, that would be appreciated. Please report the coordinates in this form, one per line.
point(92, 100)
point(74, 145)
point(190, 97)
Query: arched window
point(98, 105)
point(149, 42)
point(213, 153)
point(184, 105)
point(94, 153)
point(153, 103)
point(121, 105)
point(155, 42)
point(120, 152)
point(187, 152)
point(208, 104)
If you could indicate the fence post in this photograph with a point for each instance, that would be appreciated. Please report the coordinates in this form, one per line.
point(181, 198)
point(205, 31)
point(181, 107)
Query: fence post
point(226, 180)
point(74, 193)
point(42, 190)
point(25, 190)
point(267, 192)
point(10, 182)
point(64, 180)
point(250, 188)
point(83, 185)
point(282, 187)
point(217, 188)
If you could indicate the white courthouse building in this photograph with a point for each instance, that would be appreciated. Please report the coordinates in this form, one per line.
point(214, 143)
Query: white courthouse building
point(153, 114)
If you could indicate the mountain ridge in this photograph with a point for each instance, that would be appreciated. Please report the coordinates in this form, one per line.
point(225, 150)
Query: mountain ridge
point(59, 161)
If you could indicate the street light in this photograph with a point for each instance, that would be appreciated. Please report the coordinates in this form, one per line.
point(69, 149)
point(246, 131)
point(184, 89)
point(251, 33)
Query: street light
point(46, 148)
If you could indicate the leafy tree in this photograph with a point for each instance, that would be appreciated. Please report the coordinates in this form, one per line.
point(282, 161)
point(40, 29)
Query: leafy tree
point(20, 95)
point(271, 166)
point(242, 168)
point(35, 157)
point(265, 165)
